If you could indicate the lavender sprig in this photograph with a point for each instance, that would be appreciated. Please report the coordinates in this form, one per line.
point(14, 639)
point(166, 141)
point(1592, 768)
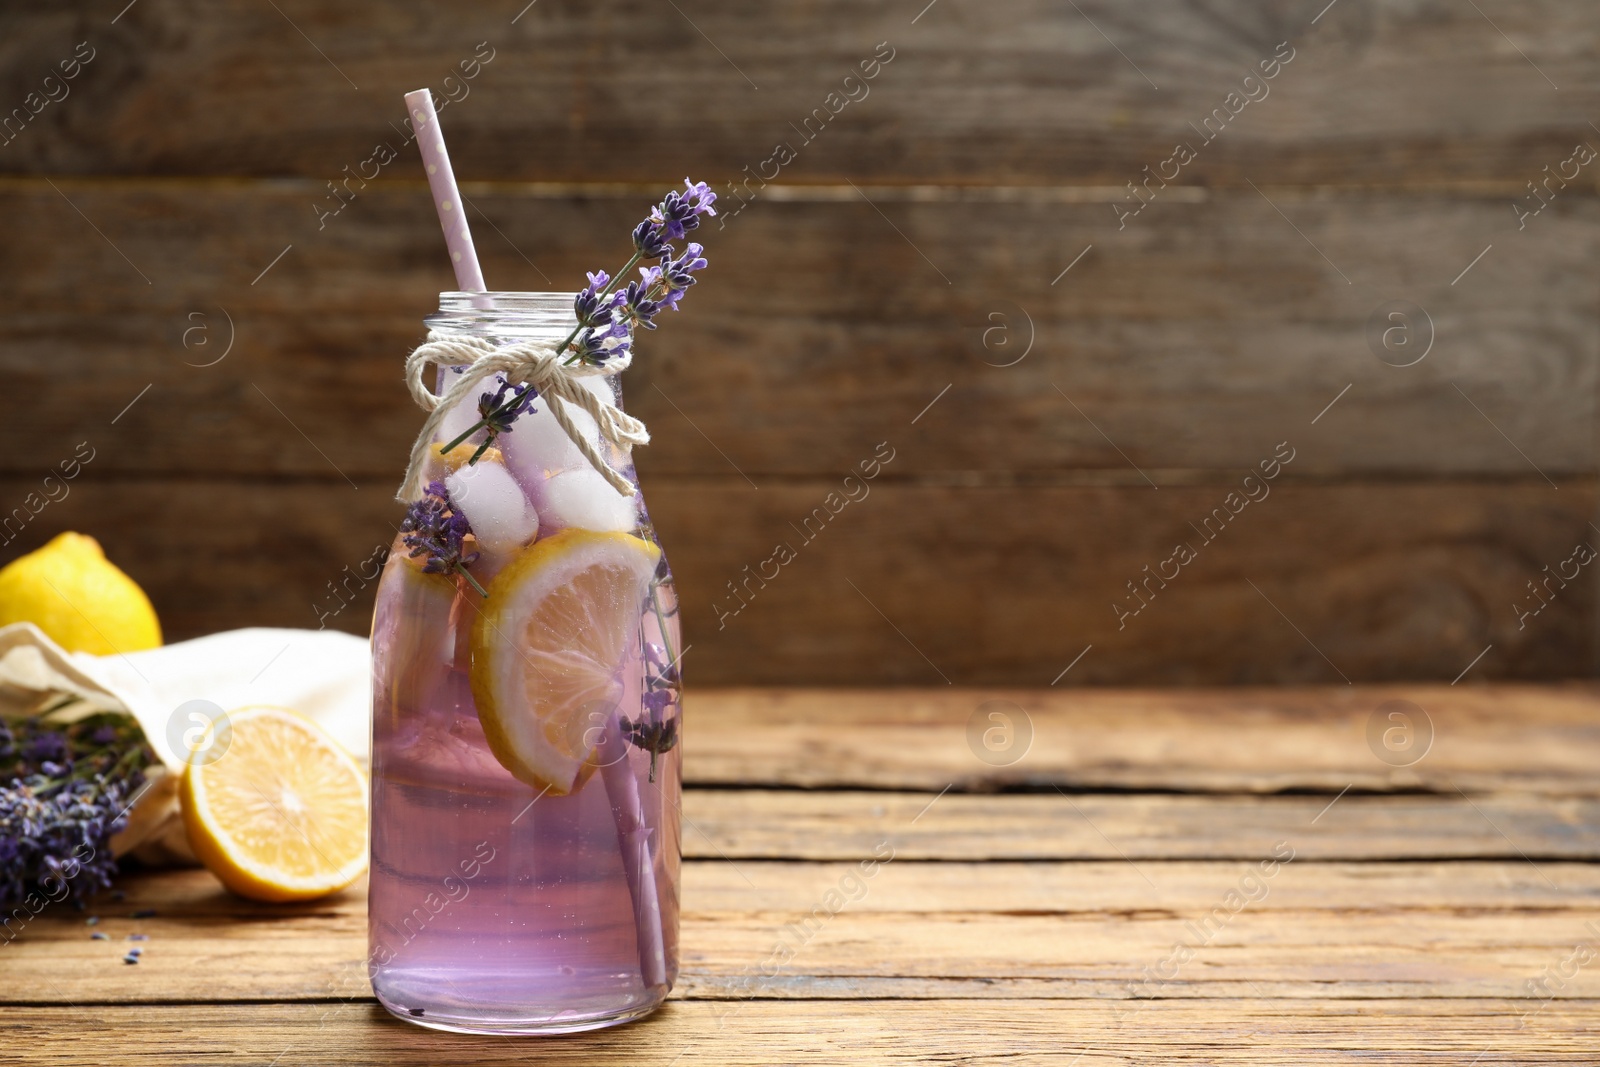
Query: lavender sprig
point(498, 413)
point(433, 527)
point(67, 792)
point(663, 286)
point(652, 736)
point(607, 317)
point(679, 213)
point(656, 730)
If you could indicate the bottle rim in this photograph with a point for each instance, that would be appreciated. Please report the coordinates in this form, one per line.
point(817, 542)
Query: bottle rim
point(504, 313)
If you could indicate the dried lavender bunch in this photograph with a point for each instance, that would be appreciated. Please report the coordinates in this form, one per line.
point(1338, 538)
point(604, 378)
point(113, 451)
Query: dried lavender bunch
point(434, 528)
point(68, 790)
point(607, 315)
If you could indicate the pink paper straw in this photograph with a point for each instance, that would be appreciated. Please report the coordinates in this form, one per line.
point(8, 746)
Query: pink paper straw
point(446, 197)
point(622, 788)
point(638, 862)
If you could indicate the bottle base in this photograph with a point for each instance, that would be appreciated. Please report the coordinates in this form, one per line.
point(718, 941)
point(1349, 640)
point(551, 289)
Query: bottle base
point(511, 1026)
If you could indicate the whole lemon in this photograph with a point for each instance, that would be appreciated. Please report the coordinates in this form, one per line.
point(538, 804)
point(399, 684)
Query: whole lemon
point(73, 593)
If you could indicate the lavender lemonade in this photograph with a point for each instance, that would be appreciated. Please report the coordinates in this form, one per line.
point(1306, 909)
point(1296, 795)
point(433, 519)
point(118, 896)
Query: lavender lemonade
point(495, 905)
point(526, 701)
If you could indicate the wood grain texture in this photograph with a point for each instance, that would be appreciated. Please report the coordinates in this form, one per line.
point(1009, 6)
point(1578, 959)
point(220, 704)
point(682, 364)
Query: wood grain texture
point(1380, 581)
point(1539, 740)
point(947, 930)
point(879, 290)
point(839, 825)
point(921, 585)
point(1010, 927)
point(1456, 1033)
point(1031, 93)
point(1187, 346)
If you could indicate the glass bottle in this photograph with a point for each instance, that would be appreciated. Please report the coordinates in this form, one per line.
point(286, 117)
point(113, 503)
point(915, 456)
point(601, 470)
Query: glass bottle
point(497, 906)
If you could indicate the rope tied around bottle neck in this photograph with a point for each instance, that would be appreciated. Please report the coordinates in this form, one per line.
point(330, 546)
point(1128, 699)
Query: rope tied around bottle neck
point(535, 363)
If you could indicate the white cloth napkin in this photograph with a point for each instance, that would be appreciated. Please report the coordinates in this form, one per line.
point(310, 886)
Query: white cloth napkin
point(322, 674)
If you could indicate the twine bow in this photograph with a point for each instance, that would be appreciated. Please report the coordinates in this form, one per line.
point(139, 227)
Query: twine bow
point(535, 363)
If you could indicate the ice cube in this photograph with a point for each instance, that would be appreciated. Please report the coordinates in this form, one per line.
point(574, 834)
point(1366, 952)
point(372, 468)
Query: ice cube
point(600, 386)
point(581, 497)
point(463, 415)
point(536, 444)
point(494, 504)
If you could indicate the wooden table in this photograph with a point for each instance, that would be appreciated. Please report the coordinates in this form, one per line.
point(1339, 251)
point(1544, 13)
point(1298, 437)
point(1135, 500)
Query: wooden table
point(1165, 876)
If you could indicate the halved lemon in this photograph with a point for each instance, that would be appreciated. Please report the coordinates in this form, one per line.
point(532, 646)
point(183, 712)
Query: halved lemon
point(548, 648)
point(274, 807)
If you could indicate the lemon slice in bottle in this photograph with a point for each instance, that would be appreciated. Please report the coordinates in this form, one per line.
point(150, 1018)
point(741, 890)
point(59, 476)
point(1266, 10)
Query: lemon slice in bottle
point(548, 646)
point(274, 807)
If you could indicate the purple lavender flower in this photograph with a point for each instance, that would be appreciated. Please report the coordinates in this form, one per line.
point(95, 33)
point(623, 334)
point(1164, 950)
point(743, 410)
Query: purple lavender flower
point(435, 529)
point(498, 414)
point(679, 271)
point(650, 242)
point(654, 735)
point(701, 196)
point(607, 319)
point(661, 287)
point(680, 212)
point(656, 731)
point(588, 304)
point(660, 672)
point(678, 274)
point(657, 701)
point(604, 318)
point(46, 748)
point(597, 346)
point(636, 302)
point(57, 814)
point(674, 216)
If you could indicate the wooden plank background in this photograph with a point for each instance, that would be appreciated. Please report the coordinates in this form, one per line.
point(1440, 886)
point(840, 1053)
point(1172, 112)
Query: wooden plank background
point(1029, 914)
point(911, 254)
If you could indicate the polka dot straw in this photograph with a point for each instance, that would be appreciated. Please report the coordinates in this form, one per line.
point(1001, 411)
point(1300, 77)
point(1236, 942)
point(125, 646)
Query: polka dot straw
point(446, 197)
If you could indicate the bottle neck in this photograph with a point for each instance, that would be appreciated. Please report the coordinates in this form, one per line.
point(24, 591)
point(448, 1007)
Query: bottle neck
point(507, 318)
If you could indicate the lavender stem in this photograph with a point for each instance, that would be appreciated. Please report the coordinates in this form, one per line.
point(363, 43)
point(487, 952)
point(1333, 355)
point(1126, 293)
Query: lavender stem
point(517, 397)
